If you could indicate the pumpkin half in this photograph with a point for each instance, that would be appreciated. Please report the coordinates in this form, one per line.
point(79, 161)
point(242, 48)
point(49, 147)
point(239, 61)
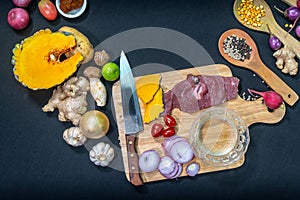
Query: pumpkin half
point(37, 58)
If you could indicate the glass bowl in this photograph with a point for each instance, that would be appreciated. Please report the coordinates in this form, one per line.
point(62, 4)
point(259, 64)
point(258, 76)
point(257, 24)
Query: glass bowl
point(219, 136)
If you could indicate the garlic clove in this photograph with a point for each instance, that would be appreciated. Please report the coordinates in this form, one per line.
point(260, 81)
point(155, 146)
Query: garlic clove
point(74, 137)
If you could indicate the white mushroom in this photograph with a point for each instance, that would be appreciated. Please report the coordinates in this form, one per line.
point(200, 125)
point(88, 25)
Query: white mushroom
point(97, 88)
point(74, 137)
point(98, 91)
point(102, 154)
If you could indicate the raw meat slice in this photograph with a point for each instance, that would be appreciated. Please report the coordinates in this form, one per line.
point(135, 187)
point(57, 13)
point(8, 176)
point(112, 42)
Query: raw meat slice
point(199, 92)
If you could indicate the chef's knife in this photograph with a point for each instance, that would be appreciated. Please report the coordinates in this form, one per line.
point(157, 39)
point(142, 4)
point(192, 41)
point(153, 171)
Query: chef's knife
point(133, 122)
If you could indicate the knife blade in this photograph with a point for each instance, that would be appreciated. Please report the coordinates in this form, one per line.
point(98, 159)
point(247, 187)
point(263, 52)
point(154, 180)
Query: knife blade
point(133, 123)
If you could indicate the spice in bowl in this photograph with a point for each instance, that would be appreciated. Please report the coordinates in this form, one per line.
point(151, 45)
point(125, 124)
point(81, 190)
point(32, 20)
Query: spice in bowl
point(237, 48)
point(69, 5)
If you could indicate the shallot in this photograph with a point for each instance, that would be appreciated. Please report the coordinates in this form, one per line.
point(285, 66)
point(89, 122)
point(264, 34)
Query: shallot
point(18, 18)
point(21, 3)
point(292, 13)
point(274, 43)
point(47, 9)
point(149, 161)
point(272, 99)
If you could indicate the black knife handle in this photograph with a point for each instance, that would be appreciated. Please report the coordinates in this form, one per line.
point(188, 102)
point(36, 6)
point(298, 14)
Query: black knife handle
point(133, 160)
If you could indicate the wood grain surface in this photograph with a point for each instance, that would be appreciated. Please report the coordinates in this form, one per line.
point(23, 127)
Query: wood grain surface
point(250, 111)
point(290, 2)
point(256, 65)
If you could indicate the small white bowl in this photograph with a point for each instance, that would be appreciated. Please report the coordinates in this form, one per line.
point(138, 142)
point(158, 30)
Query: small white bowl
point(74, 13)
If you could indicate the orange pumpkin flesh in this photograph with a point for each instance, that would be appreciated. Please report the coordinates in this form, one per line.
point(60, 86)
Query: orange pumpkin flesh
point(37, 62)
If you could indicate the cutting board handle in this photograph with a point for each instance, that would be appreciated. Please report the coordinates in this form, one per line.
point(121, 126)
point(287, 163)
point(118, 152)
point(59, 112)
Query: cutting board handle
point(261, 114)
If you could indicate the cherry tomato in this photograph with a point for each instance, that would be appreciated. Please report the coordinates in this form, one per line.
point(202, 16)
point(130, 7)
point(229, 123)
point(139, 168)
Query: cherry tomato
point(156, 130)
point(168, 132)
point(47, 9)
point(170, 121)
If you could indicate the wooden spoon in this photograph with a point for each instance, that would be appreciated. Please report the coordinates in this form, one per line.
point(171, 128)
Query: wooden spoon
point(290, 2)
point(256, 65)
point(270, 26)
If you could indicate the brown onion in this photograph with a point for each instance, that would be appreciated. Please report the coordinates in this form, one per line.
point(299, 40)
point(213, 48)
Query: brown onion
point(94, 124)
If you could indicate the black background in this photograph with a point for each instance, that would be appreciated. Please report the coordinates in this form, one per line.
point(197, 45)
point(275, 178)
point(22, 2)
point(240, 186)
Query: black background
point(36, 162)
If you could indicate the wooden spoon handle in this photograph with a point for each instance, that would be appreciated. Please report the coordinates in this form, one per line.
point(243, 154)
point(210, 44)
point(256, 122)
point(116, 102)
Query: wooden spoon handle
point(276, 83)
point(290, 2)
point(285, 38)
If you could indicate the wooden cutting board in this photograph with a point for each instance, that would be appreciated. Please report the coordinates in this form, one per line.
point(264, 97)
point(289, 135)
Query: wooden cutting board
point(250, 111)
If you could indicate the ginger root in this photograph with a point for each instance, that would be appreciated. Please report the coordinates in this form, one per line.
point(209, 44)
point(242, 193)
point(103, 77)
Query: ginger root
point(69, 99)
point(286, 61)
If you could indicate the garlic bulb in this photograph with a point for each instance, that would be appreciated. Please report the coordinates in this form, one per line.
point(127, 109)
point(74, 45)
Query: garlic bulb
point(102, 154)
point(74, 137)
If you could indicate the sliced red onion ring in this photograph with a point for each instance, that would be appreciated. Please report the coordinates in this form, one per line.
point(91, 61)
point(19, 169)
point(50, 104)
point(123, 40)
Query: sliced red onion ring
point(173, 173)
point(192, 169)
point(169, 142)
point(179, 149)
point(167, 165)
point(181, 152)
point(149, 161)
point(179, 170)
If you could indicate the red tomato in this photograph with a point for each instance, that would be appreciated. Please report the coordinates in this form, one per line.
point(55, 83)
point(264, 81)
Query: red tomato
point(47, 9)
point(156, 130)
point(170, 121)
point(168, 132)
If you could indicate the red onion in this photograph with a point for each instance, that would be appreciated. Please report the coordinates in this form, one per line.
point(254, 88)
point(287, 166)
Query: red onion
point(166, 165)
point(192, 169)
point(272, 99)
point(176, 173)
point(18, 18)
point(173, 173)
point(169, 168)
point(21, 3)
point(179, 149)
point(182, 152)
point(179, 171)
point(149, 161)
point(298, 4)
point(169, 142)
